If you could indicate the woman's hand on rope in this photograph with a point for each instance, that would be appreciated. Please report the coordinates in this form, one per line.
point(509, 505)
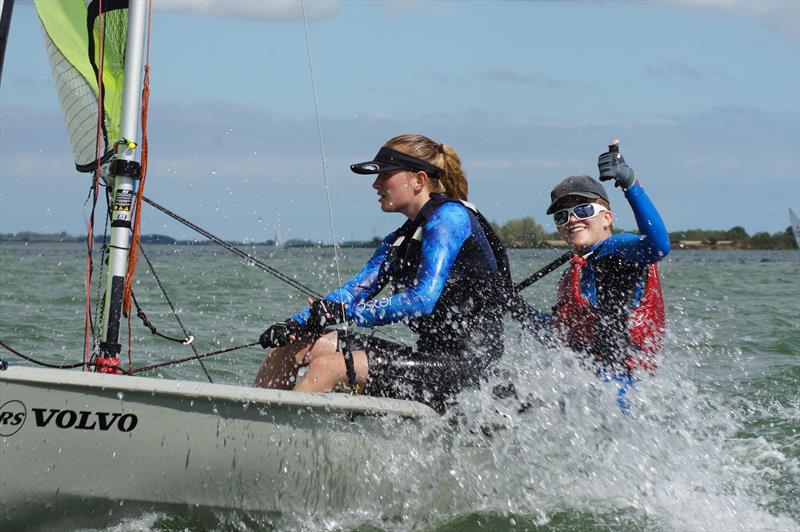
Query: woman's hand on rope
point(325, 313)
point(281, 333)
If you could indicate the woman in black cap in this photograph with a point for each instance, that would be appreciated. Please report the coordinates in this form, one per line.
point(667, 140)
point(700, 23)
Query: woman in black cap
point(610, 304)
point(449, 280)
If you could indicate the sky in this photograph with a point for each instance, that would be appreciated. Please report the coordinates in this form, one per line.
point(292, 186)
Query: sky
point(704, 95)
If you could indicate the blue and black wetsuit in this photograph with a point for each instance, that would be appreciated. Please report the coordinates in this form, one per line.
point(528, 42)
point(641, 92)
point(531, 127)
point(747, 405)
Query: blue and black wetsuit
point(613, 284)
point(450, 283)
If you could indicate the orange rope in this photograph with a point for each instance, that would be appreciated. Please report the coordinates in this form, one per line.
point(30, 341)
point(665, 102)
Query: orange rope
point(133, 256)
point(90, 230)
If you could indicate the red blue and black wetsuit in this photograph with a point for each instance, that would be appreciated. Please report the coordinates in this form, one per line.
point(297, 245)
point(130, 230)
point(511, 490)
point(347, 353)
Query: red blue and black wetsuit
point(450, 280)
point(610, 306)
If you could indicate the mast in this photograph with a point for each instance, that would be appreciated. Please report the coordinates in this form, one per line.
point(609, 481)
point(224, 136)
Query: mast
point(124, 172)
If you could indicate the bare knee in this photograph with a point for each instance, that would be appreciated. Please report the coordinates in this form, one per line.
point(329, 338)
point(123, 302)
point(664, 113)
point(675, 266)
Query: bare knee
point(279, 368)
point(323, 347)
point(323, 373)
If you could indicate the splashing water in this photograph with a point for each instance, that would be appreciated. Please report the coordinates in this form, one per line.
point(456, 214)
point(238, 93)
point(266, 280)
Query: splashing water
point(712, 441)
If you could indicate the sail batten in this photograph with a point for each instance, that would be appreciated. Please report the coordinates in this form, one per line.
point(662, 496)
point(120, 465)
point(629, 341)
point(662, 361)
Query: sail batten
point(72, 37)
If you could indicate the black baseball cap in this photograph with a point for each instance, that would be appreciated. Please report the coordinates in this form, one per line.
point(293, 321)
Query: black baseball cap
point(576, 185)
point(389, 160)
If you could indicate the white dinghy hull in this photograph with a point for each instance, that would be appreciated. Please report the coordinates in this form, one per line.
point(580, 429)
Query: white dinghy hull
point(67, 434)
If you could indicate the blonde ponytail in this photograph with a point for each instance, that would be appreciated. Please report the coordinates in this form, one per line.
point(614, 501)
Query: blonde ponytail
point(453, 182)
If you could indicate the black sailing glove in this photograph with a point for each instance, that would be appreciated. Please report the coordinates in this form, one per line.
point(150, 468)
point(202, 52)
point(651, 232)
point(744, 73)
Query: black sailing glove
point(281, 333)
point(325, 313)
point(612, 166)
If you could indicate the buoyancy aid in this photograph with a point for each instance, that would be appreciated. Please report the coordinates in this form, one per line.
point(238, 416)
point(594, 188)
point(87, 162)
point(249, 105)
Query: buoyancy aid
point(577, 320)
point(475, 292)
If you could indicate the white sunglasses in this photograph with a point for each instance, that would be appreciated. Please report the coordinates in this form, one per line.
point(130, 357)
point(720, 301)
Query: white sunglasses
point(584, 211)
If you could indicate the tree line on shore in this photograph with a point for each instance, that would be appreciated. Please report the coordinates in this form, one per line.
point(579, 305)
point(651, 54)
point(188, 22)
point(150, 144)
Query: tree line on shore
point(527, 233)
point(515, 233)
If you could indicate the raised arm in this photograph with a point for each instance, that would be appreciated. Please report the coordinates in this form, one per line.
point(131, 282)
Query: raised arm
point(652, 231)
point(652, 244)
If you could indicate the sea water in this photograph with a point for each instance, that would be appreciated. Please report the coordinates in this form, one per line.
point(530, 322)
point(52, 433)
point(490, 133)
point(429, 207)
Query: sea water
point(712, 441)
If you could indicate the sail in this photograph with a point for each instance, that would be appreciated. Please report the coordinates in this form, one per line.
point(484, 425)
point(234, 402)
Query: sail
point(795, 226)
point(6, 8)
point(72, 36)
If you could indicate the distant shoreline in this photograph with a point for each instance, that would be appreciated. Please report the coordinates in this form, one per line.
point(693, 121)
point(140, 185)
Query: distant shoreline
point(63, 237)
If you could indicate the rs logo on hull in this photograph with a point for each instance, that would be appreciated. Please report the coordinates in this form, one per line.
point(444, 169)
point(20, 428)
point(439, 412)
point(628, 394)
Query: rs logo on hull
point(12, 416)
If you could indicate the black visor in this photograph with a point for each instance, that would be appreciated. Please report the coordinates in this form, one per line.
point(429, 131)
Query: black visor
point(389, 160)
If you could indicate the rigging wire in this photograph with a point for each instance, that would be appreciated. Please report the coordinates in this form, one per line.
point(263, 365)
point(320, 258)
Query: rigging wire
point(324, 161)
point(343, 338)
point(325, 176)
point(236, 251)
point(174, 313)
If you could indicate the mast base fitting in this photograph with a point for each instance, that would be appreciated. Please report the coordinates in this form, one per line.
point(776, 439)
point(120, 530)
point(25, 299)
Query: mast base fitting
point(107, 348)
point(121, 167)
point(107, 365)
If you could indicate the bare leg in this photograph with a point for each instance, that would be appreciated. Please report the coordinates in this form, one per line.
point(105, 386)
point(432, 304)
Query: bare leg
point(280, 366)
point(326, 368)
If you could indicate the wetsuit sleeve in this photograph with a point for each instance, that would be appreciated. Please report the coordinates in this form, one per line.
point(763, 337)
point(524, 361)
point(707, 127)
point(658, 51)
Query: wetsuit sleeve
point(652, 244)
point(443, 235)
point(362, 285)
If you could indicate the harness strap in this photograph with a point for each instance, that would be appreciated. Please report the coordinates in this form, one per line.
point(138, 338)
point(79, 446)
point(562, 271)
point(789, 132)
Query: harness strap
point(343, 341)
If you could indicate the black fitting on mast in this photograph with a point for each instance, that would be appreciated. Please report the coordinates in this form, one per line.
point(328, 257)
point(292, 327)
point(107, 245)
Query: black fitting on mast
point(121, 167)
point(110, 349)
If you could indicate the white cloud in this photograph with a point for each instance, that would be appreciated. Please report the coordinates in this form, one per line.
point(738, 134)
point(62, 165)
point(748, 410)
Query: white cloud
point(250, 164)
point(780, 15)
point(667, 68)
point(396, 7)
point(507, 75)
point(250, 9)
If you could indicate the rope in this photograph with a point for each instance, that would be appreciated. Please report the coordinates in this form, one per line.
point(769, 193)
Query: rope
point(44, 364)
point(249, 258)
point(525, 283)
point(236, 251)
point(130, 371)
point(133, 255)
point(147, 323)
point(87, 330)
point(188, 359)
point(566, 257)
point(187, 337)
point(104, 249)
